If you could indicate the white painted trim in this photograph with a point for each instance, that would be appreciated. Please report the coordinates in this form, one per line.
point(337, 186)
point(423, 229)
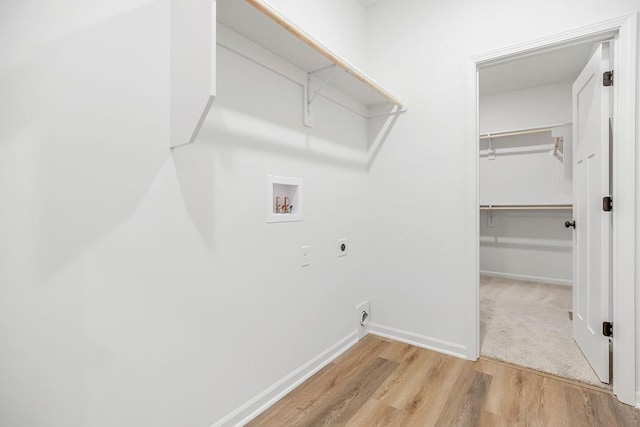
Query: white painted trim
point(527, 278)
point(435, 344)
point(600, 31)
point(472, 223)
point(626, 166)
point(252, 51)
point(626, 183)
point(260, 403)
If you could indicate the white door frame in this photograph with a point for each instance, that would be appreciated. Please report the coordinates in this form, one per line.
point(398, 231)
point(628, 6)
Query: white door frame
point(625, 183)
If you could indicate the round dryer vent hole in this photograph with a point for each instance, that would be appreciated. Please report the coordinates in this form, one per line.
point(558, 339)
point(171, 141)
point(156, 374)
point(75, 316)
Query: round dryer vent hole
point(364, 318)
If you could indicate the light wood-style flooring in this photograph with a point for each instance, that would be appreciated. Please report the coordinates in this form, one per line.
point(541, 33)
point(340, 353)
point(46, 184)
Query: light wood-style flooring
point(379, 382)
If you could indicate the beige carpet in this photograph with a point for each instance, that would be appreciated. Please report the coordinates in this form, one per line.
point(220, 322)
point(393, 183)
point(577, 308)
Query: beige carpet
point(528, 324)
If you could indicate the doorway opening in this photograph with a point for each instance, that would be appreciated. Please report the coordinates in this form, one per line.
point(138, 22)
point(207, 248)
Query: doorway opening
point(622, 308)
point(526, 160)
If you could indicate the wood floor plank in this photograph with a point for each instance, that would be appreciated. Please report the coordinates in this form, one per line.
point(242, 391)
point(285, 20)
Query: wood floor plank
point(397, 351)
point(553, 409)
point(314, 392)
point(369, 347)
point(464, 405)
point(580, 407)
point(380, 382)
point(301, 399)
point(629, 415)
point(505, 393)
point(425, 405)
point(375, 414)
point(344, 405)
point(487, 366)
point(606, 407)
point(486, 362)
point(530, 408)
point(402, 385)
point(488, 419)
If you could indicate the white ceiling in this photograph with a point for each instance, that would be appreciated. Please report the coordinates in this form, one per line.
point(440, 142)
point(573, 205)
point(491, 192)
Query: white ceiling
point(562, 65)
point(369, 3)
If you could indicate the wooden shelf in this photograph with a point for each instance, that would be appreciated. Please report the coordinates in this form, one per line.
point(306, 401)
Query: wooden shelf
point(263, 25)
point(525, 207)
point(517, 132)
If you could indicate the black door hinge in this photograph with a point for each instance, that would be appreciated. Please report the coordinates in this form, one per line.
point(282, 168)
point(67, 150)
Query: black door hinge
point(607, 204)
point(607, 329)
point(607, 78)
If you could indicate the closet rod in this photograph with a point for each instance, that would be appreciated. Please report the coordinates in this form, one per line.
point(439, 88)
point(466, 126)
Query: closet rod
point(524, 207)
point(518, 132)
point(269, 11)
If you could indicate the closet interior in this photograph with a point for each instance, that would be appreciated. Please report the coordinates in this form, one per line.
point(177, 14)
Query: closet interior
point(526, 213)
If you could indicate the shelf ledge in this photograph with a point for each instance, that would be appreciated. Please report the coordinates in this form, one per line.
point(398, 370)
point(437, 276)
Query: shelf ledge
point(279, 19)
point(256, 30)
point(525, 207)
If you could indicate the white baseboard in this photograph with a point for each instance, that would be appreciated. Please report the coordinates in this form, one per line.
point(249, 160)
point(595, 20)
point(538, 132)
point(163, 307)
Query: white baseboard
point(436, 344)
point(277, 391)
point(638, 399)
point(528, 278)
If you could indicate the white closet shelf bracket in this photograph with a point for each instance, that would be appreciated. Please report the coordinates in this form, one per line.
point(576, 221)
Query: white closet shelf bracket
point(395, 112)
point(492, 149)
point(311, 95)
point(556, 146)
point(196, 131)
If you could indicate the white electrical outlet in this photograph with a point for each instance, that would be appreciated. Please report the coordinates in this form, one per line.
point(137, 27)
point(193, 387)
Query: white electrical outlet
point(304, 252)
point(343, 247)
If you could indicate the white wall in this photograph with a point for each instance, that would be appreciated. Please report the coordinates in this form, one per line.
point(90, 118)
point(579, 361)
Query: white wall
point(537, 106)
point(84, 133)
point(143, 289)
point(274, 315)
point(340, 25)
point(529, 245)
point(419, 50)
point(140, 288)
point(522, 171)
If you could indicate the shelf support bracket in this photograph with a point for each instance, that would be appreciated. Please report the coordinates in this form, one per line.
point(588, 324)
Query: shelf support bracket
point(399, 110)
point(490, 217)
point(492, 150)
point(310, 95)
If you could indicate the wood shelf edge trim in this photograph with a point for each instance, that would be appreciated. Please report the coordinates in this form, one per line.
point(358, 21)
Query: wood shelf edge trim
point(525, 207)
point(514, 133)
point(311, 42)
point(525, 131)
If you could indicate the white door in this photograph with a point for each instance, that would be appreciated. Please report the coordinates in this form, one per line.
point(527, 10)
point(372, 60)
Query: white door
point(592, 224)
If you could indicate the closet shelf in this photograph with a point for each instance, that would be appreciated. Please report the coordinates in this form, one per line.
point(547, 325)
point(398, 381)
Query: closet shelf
point(525, 207)
point(556, 131)
point(263, 25)
point(517, 132)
